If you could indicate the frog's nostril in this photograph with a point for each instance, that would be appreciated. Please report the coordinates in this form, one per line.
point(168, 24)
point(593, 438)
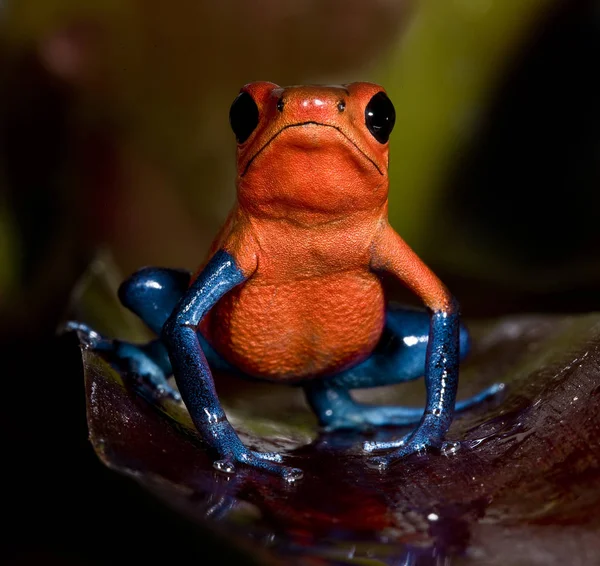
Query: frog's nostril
point(341, 105)
point(280, 104)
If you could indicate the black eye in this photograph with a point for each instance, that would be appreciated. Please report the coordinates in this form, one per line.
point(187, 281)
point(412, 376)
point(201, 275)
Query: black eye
point(380, 117)
point(243, 116)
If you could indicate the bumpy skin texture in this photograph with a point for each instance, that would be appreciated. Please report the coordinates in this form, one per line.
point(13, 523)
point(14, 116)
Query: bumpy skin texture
point(310, 232)
point(291, 291)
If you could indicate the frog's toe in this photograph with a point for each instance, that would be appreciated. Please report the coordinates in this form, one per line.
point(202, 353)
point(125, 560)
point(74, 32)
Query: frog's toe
point(174, 395)
point(380, 463)
point(163, 391)
point(375, 446)
point(269, 462)
point(292, 475)
point(416, 443)
point(156, 386)
point(86, 334)
point(270, 456)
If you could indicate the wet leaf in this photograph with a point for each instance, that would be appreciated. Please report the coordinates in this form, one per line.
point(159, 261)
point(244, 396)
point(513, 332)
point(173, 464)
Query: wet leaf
point(517, 483)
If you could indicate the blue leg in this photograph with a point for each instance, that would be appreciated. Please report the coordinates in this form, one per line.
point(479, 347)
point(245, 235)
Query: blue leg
point(173, 309)
point(193, 375)
point(152, 294)
point(399, 356)
point(144, 364)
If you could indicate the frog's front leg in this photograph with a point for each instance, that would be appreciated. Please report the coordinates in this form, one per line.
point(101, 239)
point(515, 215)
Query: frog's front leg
point(193, 376)
point(399, 356)
point(441, 382)
point(390, 253)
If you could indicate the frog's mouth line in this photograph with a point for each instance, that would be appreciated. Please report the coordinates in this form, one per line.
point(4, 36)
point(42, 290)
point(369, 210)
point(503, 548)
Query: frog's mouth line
point(307, 124)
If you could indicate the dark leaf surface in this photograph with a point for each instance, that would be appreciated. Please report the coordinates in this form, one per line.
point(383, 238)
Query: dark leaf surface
point(517, 483)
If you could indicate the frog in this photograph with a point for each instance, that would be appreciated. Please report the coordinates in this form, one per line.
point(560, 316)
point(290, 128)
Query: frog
point(291, 290)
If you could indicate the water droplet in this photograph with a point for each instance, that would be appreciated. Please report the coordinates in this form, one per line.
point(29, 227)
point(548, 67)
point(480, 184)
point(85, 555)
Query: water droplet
point(421, 449)
point(450, 448)
point(292, 475)
point(377, 463)
point(224, 466)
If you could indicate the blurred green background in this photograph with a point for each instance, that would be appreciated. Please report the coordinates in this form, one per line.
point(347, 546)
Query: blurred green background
point(114, 135)
point(114, 138)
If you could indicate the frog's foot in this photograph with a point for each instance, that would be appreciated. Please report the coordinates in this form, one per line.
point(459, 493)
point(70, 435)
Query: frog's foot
point(422, 440)
point(269, 462)
point(134, 361)
point(336, 409)
point(359, 416)
point(427, 436)
point(233, 454)
point(87, 335)
point(401, 443)
point(147, 376)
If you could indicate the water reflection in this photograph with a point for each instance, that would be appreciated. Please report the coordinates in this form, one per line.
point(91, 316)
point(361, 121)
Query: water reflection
point(516, 462)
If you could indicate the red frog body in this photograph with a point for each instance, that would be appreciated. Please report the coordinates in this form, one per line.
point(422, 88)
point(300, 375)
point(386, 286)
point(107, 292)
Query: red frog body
point(311, 307)
point(312, 210)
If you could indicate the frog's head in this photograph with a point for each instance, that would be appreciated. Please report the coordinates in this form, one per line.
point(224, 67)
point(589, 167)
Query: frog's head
point(319, 148)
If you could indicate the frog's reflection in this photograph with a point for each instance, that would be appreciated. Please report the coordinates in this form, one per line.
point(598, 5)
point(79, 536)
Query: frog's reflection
point(340, 511)
point(408, 549)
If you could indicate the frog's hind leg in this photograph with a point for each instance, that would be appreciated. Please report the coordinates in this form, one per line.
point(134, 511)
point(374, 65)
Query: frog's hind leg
point(151, 293)
point(399, 356)
point(147, 364)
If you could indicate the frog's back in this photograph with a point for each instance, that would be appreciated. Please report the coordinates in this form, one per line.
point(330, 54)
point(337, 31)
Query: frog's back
point(311, 308)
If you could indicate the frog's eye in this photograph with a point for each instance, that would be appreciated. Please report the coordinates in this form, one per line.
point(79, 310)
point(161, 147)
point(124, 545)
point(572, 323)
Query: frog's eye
point(380, 117)
point(243, 116)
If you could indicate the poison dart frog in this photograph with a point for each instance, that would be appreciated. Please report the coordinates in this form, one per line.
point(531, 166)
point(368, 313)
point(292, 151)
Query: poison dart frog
point(291, 288)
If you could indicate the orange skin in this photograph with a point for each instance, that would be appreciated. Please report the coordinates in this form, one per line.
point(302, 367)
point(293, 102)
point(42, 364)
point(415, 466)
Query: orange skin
point(310, 231)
